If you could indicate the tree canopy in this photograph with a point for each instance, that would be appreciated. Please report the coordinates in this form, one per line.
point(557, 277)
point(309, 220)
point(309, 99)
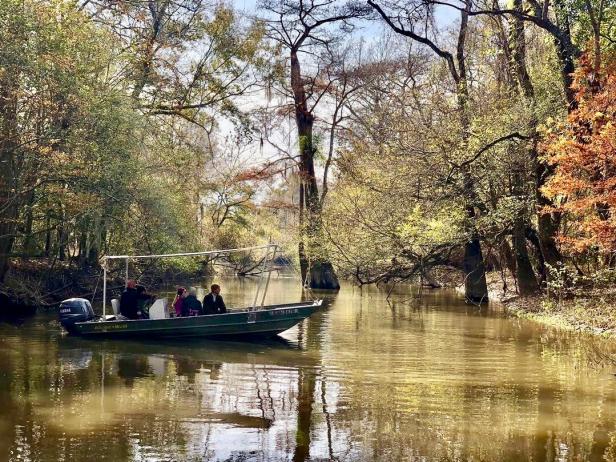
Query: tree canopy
point(378, 141)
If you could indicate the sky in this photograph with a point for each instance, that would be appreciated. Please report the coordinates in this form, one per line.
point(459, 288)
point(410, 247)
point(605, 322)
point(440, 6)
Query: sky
point(368, 31)
point(444, 15)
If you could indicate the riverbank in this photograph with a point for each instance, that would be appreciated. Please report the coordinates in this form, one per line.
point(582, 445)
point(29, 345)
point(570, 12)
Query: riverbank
point(594, 313)
point(42, 284)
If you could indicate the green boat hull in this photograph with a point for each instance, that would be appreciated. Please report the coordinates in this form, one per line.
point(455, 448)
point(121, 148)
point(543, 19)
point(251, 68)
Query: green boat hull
point(270, 320)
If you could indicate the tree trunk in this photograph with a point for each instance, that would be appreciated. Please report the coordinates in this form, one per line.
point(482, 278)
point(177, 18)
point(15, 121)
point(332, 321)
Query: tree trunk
point(527, 282)
point(525, 275)
point(96, 238)
point(533, 237)
point(475, 284)
point(548, 224)
point(317, 270)
point(595, 21)
point(566, 53)
point(548, 229)
point(9, 171)
point(47, 251)
point(29, 241)
point(7, 235)
point(62, 234)
point(83, 244)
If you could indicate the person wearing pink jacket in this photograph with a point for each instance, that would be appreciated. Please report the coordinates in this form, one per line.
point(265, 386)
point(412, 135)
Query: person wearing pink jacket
point(178, 301)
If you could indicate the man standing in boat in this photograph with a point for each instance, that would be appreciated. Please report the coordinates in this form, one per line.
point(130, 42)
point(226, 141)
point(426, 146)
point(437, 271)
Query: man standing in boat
point(133, 301)
point(213, 302)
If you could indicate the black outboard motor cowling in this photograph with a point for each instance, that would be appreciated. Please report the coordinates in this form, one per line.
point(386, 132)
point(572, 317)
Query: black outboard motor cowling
point(75, 310)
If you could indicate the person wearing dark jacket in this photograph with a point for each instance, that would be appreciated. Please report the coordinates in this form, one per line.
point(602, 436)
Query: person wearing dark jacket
point(213, 302)
point(191, 305)
point(129, 301)
point(144, 300)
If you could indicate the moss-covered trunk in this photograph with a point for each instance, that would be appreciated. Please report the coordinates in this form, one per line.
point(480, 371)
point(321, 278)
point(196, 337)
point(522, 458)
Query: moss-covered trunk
point(317, 270)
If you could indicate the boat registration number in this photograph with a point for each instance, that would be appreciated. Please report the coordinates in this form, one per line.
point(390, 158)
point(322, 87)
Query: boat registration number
point(284, 312)
point(112, 327)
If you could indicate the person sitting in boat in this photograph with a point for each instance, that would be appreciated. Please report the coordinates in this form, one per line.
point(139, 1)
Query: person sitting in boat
point(178, 301)
point(191, 306)
point(213, 302)
point(144, 300)
point(129, 301)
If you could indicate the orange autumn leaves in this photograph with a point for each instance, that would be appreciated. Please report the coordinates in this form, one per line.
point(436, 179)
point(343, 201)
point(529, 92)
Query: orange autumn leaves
point(582, 152)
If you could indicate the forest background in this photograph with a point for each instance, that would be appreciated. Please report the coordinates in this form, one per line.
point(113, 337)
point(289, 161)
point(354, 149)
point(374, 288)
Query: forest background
point(431, 141)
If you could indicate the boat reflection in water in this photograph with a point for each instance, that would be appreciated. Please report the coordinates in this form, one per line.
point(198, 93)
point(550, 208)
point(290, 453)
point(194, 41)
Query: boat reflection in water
point(206, 398)
point(365, 380)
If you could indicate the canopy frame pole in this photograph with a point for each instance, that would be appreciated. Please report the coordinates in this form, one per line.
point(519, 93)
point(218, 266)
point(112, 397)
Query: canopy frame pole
point(104, 285)
point(254, 302)
point(266, 260)
point(127, 258)
point(269, 274)
point(126, 275)
point(188, 254)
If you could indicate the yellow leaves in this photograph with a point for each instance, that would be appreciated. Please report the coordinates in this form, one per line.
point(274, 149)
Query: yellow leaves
point(222, 22)
point(423, 228)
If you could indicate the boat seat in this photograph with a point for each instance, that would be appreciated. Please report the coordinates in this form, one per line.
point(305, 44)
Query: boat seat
point(115, 305)
point(158, 310)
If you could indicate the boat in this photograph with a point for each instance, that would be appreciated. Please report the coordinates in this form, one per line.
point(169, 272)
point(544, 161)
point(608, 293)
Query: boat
point(78, 318)
point(270, 320)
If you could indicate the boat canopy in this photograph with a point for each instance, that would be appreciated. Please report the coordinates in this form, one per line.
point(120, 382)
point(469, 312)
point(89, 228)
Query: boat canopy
point(270, 254)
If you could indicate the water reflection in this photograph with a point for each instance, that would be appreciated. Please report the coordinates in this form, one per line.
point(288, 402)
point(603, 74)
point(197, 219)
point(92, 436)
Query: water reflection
point(367, 379)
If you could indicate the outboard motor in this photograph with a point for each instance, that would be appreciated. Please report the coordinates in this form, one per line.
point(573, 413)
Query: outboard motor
point(75, 310)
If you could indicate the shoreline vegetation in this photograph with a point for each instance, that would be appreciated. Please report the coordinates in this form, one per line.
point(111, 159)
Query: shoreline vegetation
point(44, 283)
point(592, 319)
point(590, 311)
point(33, 285)
point(585, 311)
point(594, 315)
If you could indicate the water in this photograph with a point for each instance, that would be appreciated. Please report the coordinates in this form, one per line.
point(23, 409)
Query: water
point(412, 379)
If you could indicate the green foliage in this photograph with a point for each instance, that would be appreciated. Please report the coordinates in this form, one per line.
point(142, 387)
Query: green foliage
point(423, 230)
point(94, 172)
point(109, 139)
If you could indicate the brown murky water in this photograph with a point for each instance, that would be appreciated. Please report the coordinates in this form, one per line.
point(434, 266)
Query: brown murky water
point(363, 380)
